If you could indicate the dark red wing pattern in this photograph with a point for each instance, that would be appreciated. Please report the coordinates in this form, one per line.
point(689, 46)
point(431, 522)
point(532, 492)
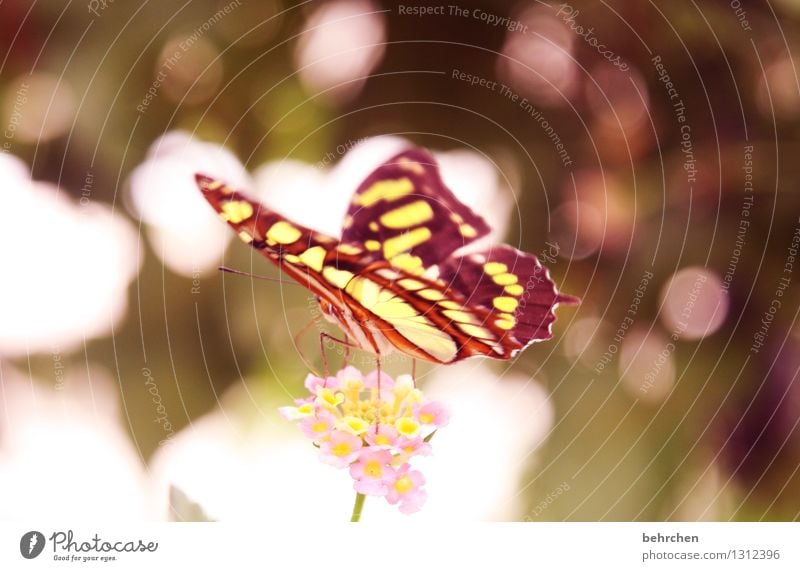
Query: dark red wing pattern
point(513, 285)
point(404, 212)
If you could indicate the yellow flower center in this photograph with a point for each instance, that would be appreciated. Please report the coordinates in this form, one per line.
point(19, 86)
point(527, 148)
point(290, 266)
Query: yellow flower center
point(354, 425)
point(407, 426)
point(403, 485)
point(373, 469)
point(341, 449)
point(329, 397)
point(368, 410)
point(319, 426)
point(353, 385)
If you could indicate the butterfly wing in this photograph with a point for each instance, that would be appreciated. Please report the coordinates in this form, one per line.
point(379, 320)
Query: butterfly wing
point(377, 282)
point(404, 213)
point(512, 286)
point(496, 302)
point(311, 258)
point(371, 300)
point(422, 317)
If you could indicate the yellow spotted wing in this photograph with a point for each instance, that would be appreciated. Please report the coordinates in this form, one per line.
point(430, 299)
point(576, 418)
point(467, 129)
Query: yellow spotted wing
point(404, 213)
point(393, 280)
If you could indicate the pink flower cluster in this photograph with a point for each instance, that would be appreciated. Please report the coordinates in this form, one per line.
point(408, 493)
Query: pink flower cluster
point(373, 432)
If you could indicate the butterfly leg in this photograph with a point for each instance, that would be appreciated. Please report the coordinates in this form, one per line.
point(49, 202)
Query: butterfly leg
point(326, 336)
point(297, 337)
point(378, 369)
point(347, 350)
point(414, 371)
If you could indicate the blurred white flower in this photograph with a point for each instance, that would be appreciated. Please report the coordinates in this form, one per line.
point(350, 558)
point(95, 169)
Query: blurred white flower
point(475, 180)
point(64, 454)
point(13, 168)
point(496, 426)
point(68, 266)
point(184, 232)
point(290, 186)
point(245, 463)
point(342, 42)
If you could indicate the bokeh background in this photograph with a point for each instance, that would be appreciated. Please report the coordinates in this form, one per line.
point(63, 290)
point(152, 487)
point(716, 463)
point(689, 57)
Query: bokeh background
point(645, 151)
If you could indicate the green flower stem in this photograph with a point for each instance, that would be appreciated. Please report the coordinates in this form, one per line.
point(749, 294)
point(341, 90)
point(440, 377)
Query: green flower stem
point(358, 507)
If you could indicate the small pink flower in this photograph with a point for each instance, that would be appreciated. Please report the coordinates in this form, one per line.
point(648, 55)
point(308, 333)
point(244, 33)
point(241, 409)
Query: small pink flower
point(387, 382)
point(373, 473)
point(318, 426)
point(406, 490)
point(314, 383)
point(374, 435)
point(340, 449)
point(433, 413)
point(384, 437)
point(347, 376)
point(299, 412)
point(412, 446)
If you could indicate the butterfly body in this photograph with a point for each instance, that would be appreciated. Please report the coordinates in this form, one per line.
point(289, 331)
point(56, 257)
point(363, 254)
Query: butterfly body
point(393, 281)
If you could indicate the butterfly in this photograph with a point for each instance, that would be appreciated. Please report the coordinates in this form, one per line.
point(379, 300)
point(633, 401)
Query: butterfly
point(397, 279)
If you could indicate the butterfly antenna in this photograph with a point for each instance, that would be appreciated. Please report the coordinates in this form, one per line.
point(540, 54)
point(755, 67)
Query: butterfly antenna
point(228, 270)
